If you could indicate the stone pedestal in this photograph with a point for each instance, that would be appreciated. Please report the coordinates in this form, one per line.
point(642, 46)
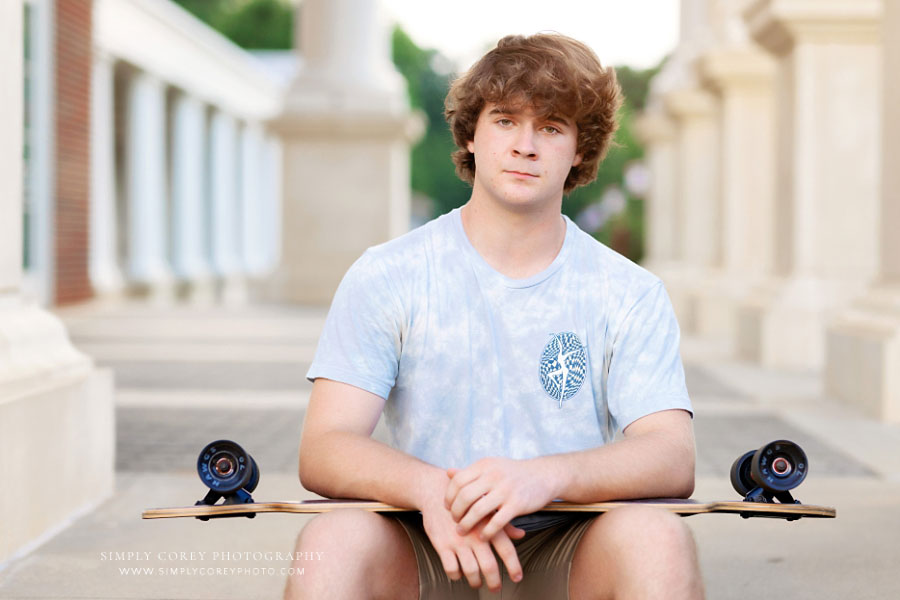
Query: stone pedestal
point(828, 146)
point(57, 433)
point(56, 409)
point(862, 361)
point(346, 131)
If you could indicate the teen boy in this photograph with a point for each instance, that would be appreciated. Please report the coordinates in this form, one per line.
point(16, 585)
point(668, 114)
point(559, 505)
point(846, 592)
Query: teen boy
point(506, 348)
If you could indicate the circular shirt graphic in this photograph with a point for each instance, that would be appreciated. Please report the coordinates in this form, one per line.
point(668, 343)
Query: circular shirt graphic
point(563, 365)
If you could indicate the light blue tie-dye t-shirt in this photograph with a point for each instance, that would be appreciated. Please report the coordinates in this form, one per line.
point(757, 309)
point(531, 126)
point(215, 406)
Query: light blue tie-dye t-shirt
point(475, 364)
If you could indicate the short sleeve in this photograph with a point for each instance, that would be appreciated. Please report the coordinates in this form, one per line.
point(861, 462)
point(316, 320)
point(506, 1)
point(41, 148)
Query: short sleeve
point(361, 341)
point(645, 370)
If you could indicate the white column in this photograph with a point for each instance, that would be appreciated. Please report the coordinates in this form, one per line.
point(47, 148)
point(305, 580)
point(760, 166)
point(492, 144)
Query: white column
point(863, 344)
point(345, 45)
point(190, 222)
point(273, 193)
point(39, 282)
point(694, 113)
point(148, 268)
point(657, 132)
point(828, 147)
point(742, 79)
point(104, 268)
point(225, 186)
point(347, 131)
point(56, 411)
point(11, 142)
point(253, 202)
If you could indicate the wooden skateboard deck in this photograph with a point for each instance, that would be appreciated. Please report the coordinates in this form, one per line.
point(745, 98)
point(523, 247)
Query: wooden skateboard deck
point(678, 506)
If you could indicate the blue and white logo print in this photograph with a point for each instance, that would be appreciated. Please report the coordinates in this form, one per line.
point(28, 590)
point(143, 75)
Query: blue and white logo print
point(563, 365)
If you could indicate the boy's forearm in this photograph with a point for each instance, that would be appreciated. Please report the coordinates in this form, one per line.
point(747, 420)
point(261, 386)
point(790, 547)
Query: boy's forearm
point(342, 464)
point(653, 465)
point(656, 459)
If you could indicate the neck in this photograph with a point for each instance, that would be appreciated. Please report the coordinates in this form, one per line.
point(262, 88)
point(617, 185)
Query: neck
point(518, 244)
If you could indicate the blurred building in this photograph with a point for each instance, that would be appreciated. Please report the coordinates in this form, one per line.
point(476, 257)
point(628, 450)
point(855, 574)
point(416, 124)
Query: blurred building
point(774, 203)
point(162, 160)
point(150, 168)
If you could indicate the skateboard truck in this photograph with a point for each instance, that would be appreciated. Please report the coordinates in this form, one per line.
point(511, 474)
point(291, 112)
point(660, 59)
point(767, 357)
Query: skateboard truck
point(230, 473)
point(769, 473)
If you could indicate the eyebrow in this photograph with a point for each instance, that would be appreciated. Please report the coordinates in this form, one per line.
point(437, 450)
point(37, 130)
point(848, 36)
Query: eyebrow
point(505, 110)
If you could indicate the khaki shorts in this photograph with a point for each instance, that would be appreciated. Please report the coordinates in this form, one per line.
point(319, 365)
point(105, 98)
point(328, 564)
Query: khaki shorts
point(545, 555)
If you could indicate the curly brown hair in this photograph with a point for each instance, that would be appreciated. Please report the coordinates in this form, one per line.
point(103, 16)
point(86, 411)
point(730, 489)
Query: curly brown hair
point(554, 75)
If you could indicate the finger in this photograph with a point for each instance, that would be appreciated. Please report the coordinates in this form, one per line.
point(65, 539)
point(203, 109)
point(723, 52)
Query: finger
point(450, 564)
point(452, 471)
point(489, 567)
point(480, 510)
point(506, 550)
point(513, 532)
point(459, 480)
point(469, 565)
point(467, 498)
point(504, 515)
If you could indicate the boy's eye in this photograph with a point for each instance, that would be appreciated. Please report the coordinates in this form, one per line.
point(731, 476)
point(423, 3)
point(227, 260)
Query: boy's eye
point(551, 129)
point(504, 122)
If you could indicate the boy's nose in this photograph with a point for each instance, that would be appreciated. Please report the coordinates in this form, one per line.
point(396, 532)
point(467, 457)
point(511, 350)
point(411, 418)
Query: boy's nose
point(524, 143)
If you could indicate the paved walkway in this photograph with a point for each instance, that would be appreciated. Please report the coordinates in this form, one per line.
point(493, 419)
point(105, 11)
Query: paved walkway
point(185, 376)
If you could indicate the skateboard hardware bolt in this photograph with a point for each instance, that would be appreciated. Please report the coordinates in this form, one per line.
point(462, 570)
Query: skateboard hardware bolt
point(224, 467)
point(782, 467)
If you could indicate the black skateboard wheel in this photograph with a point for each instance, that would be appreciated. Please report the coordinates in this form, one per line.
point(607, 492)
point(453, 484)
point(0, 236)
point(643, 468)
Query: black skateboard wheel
point(769, 472)
point(225, 467)
point(741, 480)
point(779, 466)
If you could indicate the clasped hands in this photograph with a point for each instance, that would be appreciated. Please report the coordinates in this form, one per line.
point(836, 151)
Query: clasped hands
point(474, 515)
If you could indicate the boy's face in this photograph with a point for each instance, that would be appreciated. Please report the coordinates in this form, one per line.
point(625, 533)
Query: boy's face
point(522, 159)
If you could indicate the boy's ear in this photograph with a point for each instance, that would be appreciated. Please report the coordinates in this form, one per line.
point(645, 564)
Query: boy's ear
point(470, 146)
point(577, 160)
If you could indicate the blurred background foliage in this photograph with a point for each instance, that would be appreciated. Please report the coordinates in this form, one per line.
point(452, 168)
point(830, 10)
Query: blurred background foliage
point(608, 208)
point(251, 24)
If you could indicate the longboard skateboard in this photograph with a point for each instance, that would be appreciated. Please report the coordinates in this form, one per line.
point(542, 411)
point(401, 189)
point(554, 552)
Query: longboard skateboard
point(763, 477)
point(678, 506)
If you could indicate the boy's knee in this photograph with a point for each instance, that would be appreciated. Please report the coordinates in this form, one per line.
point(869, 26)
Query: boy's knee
point(329, 544)
point(340, 529)
point(643, 525)
point(362, 553)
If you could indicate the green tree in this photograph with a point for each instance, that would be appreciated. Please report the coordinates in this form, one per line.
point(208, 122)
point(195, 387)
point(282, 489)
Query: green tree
point(433, 172)
point(636, 84)
point(208, 11)
point(254, 24)
point(625, 231)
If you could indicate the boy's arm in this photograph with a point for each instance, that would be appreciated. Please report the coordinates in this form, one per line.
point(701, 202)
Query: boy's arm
point(654, 460)
point(339, 459)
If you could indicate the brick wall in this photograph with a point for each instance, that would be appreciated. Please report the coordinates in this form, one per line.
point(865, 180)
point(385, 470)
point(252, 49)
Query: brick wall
point(73, 96)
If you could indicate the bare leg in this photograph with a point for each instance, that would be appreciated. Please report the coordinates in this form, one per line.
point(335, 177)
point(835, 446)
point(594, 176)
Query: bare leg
point(363, 555)
point(636, 553)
